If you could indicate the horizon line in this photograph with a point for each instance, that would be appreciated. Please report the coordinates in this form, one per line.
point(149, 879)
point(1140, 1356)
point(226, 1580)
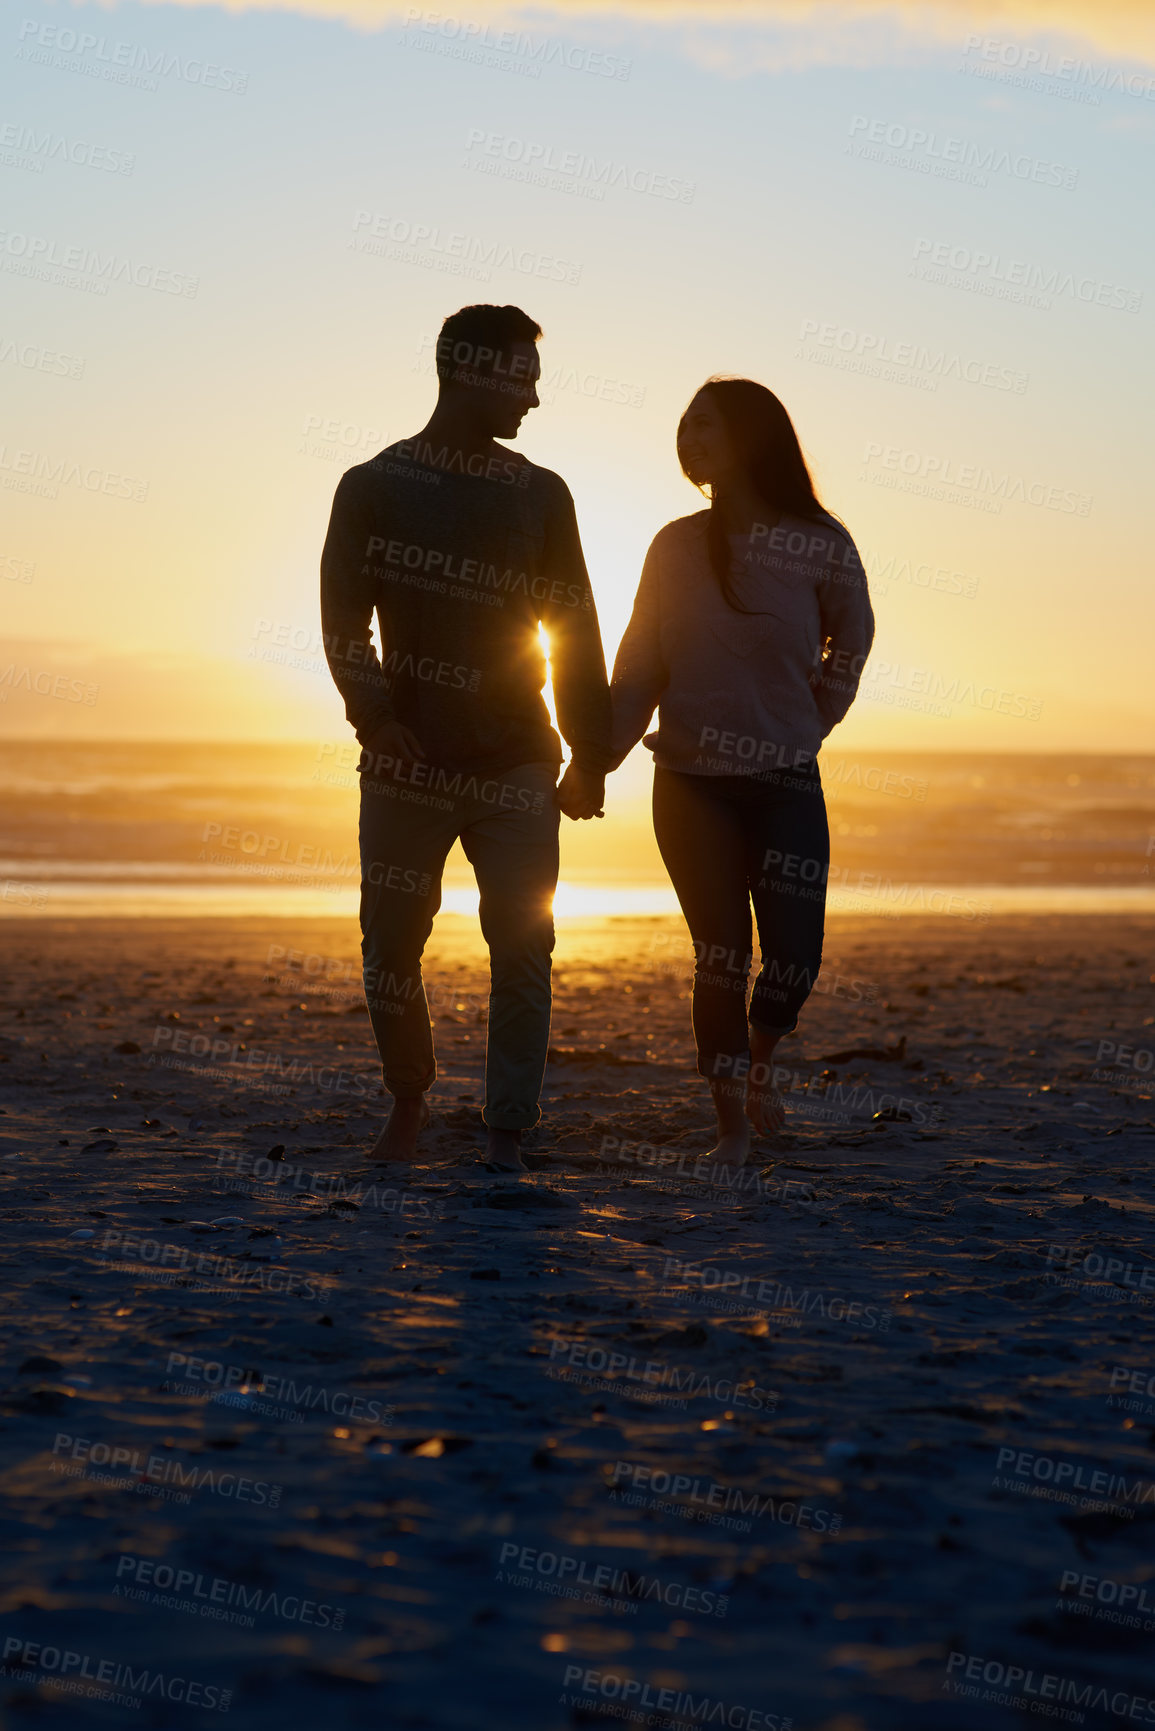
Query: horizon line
point(88, 742)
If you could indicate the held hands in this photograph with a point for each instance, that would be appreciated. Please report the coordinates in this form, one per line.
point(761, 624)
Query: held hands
point(390, 749)
point(581, 793)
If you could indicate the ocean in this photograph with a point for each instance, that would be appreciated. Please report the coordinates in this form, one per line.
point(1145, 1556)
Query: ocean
point(95, 830)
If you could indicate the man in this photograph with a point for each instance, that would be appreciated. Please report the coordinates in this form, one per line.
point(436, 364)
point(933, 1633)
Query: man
point(464, 548)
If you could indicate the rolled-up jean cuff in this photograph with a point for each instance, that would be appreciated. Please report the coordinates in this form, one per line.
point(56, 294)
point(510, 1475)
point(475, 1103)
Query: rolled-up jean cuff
point(503, 1121)
point(724, 1066)
point(768, 1027)
point(408, 1090)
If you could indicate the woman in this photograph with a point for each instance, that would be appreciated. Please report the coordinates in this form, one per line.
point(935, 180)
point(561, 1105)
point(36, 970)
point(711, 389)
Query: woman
point(750, 630)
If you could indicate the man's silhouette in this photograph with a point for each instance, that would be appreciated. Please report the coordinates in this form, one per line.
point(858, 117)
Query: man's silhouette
point(464, 548)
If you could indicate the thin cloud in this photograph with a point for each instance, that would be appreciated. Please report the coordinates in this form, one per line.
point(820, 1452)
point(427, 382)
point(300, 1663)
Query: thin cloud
point(825, 31)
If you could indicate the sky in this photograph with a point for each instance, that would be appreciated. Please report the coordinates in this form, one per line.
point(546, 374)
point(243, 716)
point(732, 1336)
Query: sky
point(229, 236)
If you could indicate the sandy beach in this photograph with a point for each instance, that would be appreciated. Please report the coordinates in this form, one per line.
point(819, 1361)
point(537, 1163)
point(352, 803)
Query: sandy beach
point(861, 1440)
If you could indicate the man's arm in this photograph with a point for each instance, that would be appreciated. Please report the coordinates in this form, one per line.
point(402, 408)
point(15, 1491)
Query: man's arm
point(581, 690)
point(348, 597)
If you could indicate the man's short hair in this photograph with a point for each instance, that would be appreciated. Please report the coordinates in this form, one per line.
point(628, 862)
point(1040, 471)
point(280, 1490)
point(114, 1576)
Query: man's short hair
point(476, 336)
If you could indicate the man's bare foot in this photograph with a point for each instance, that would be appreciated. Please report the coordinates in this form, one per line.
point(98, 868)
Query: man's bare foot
point(732, 1149)
point(398, 1140)
point(503, 1148)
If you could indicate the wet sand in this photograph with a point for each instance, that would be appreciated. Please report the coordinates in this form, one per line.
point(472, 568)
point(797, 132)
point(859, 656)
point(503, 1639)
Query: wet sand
point(830, 1445)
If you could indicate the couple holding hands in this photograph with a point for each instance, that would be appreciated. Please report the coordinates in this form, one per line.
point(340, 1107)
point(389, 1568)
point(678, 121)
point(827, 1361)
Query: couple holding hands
point(750, 628)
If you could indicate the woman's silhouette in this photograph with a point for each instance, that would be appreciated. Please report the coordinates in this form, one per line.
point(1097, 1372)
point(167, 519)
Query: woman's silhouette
point(750, 629)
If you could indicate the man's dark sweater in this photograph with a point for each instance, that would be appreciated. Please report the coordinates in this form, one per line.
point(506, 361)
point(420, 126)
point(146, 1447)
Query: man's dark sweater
point(462, 558)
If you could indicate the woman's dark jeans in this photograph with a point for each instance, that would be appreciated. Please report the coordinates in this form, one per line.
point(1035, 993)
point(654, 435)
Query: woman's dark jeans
point(727, 841)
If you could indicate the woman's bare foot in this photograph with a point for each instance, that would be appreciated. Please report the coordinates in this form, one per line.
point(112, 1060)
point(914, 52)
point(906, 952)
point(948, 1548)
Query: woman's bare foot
point(766, 1109)
point(503, 1148)
point(765, 1106)
point(398, 1140)
point(732, 1149)
point(733, 1145)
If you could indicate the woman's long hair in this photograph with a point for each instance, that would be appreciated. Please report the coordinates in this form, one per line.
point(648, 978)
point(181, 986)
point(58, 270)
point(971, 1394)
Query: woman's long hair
point(763, 434)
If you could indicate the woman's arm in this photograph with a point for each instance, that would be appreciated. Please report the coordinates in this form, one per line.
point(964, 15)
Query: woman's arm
point(640, 675)
point(847, 631)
